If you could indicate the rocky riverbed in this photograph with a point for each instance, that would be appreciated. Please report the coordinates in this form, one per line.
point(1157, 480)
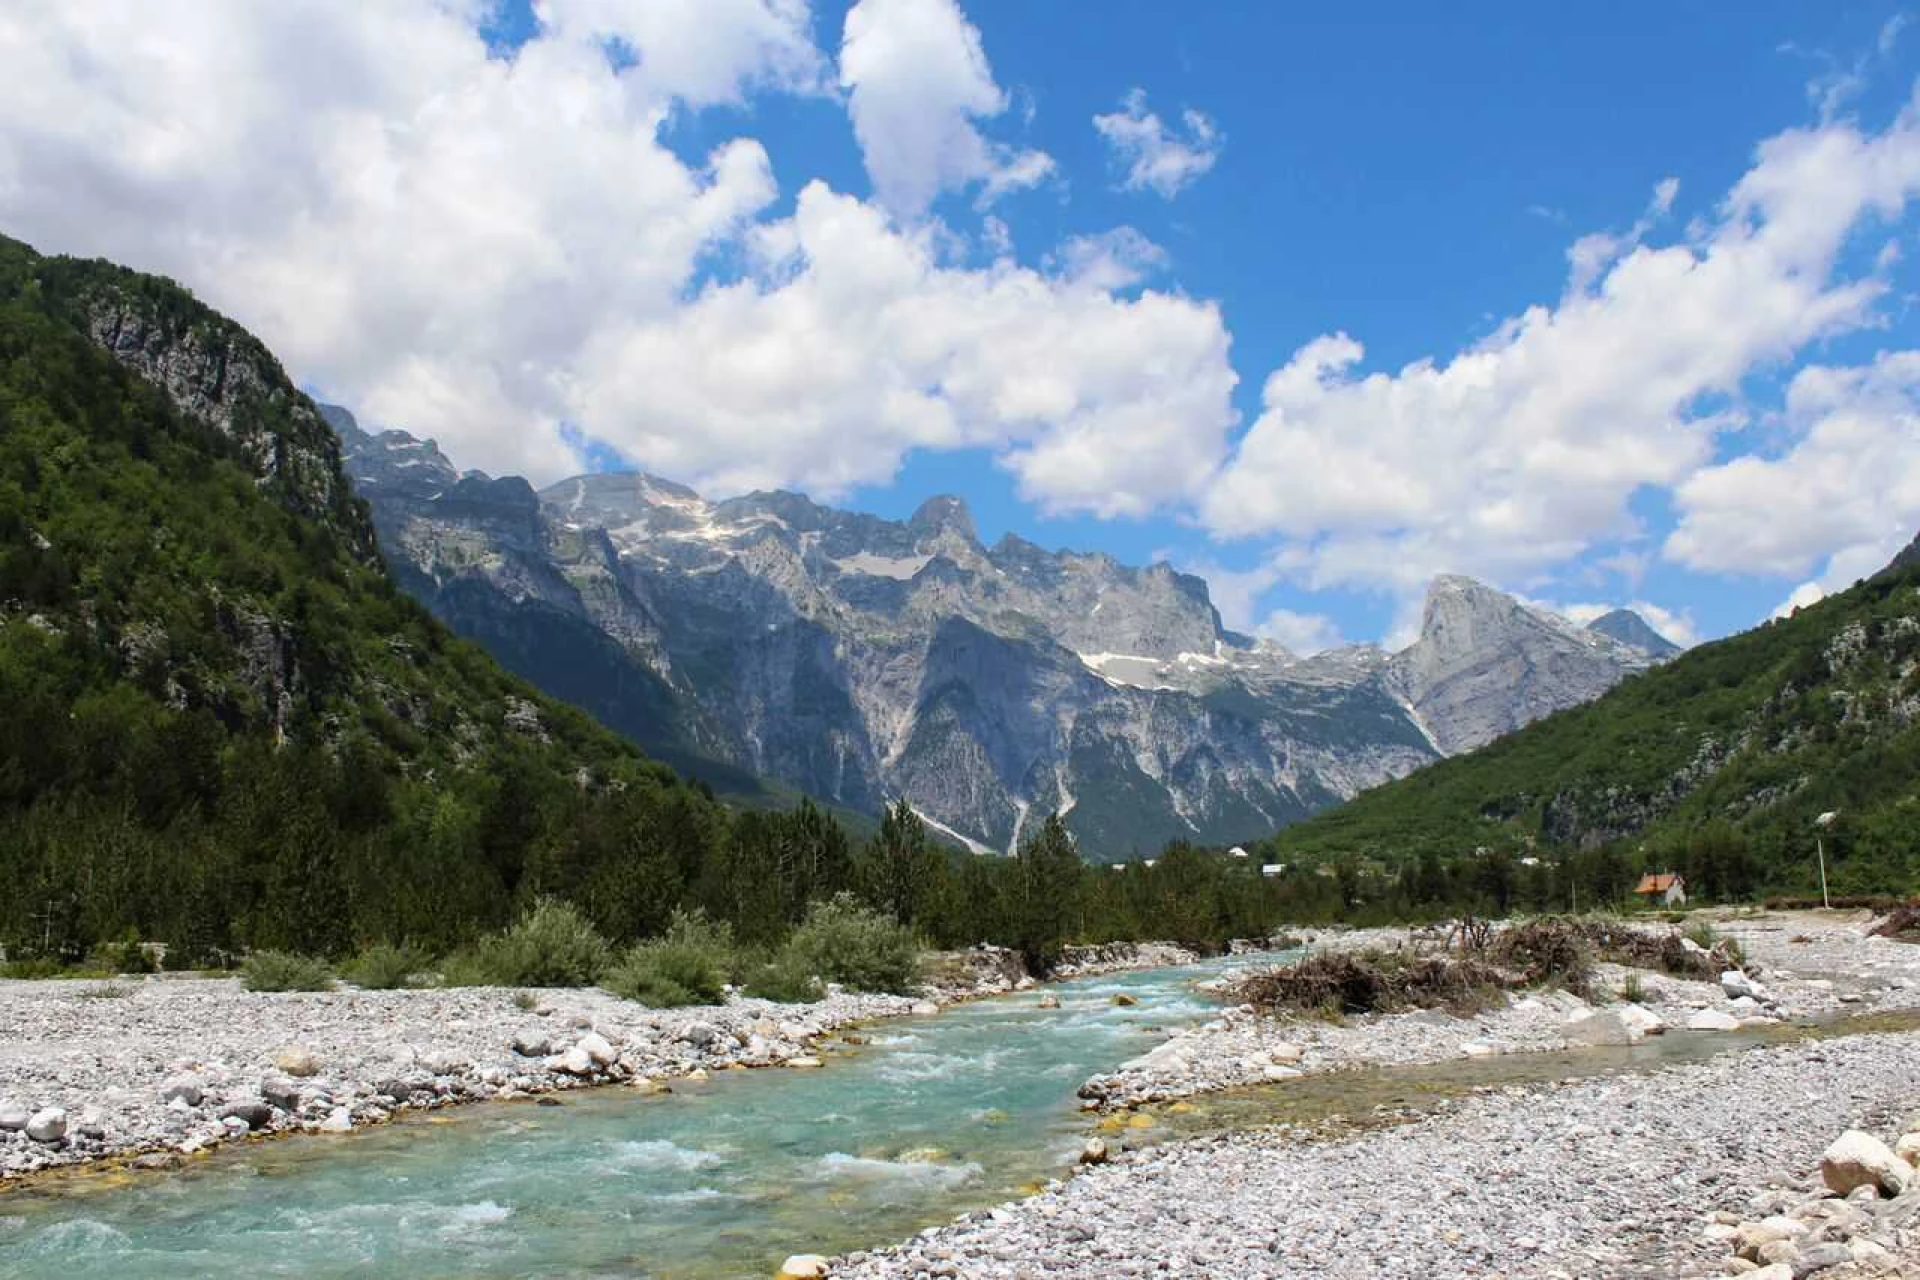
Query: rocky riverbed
point(160, 1068)
point(1641, 1175)
point(1799, 966)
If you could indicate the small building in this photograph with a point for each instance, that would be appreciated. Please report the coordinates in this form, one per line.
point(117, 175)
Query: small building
point(1668, 890)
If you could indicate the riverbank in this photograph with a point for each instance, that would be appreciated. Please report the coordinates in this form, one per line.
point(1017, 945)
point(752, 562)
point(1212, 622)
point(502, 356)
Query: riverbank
point(1799, 966)
point(1619, 1176)
point(155, 1070)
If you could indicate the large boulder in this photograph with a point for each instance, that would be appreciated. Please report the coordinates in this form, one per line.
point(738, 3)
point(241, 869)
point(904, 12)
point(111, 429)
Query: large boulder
point(13, 1116)
point(1713, 1020)
point(1642, 1019)
point(803, 1266)
point(1858, 1159)
point(595, 1046)
point(1606, 1028)
point(255, 1115)
point(188, 1089)
point(298, 1061)
point(1737, 984)
point(49, 1124)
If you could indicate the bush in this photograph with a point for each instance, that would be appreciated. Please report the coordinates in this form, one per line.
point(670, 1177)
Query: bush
point(128, 955)
point(783, 977)
point(551, 945)
point(689, 964)
point(385, 967)
point(1633, 990)
point(283, 971)
point(859, 948)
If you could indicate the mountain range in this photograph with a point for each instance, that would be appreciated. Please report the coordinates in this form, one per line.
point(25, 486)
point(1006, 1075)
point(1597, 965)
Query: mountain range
point(860, 660)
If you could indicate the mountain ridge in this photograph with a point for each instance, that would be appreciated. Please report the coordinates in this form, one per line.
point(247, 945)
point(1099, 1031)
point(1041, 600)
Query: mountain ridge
point(863, 660)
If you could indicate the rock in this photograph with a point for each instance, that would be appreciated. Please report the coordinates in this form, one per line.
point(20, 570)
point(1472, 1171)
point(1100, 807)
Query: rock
point(577, 1062)
point(157, 1160)
point(805, 1062)
point(297, 1060)
point(1774, 1271)
point(13, 1116)
point(1774, 1251)
point(188, 1089)
point(701, 1035)
point(1737, 984)
point(1908, 1148)
point(1049, 1001)
point(803, 1266)
point(339, 1120)
point(1286, 1051)
point(1820, 1257)
point(1122, 1000)
point(1278, 1073)
point(924, 1009)
point(1870, 1257)
point(1607, 1028)
point(1858, 1159)
point(532, 1044)
point(1752, 1237)
point(598, 1050)
point(254, 1115)
point(49, 1124)
point(1713, 1020)
point(1094, 1151)
point(91, 1124)
point(1739, 1266)
point(283, 1093)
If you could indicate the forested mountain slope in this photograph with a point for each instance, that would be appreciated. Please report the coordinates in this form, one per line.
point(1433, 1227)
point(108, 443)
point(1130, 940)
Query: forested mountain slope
point(220, 723)
point(1717, 763)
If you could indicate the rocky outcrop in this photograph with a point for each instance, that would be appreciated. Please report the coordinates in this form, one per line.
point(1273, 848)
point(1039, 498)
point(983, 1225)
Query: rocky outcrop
point(1630, 629)
point(1486, 663)
point(860, 659)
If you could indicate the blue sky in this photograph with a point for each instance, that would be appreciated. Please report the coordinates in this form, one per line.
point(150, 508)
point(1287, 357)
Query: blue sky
point(883, 250)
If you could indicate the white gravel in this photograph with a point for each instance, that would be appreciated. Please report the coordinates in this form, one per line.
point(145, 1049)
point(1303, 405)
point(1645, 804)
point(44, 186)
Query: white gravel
point(1602, 1177)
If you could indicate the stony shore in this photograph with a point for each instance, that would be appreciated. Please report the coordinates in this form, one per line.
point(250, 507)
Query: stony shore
point(1800, 966)
point(1617, 1176)
point(160, 1068)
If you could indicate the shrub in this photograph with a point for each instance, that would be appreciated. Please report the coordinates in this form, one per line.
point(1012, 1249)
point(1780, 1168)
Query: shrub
point(386, 967)
point(551, 945)
point(38, 967)
point(1633, 990)
point(283, 971)
point(689, 964)
point(861, 949)
point(1549, 950)
point(784, 977)
point(128, 955)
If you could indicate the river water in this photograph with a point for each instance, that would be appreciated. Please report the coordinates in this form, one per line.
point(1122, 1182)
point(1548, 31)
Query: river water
point(723, 1178)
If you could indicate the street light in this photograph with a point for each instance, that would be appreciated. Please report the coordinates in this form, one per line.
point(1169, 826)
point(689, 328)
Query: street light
point(1821, 824)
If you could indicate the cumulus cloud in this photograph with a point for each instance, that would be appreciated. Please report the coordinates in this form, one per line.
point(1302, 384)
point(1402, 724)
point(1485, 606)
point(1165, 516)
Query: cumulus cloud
point(501, 251)
point(1837, 502)
point(918, 83)
point(1523, 451)
point(1154, 156)
point(1112, 260)
point(1302, 633)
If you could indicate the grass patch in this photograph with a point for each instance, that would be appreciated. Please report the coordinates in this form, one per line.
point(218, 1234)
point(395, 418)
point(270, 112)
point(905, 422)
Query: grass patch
point(283, 971)
point(105, 991)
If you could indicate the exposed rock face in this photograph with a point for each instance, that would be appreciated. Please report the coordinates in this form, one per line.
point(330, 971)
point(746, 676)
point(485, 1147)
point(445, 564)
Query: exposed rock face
point(1630, 629)
point(1485, 664)
point(860, 659)
point(1908, 558)
point(222, 376)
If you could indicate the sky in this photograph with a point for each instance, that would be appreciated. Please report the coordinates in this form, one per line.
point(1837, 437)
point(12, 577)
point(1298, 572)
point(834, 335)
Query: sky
point(1605, 305)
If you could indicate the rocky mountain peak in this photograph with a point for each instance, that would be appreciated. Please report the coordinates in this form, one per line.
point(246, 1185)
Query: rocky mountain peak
point(1630, 628)
point(943, 513)
point(1908, 558)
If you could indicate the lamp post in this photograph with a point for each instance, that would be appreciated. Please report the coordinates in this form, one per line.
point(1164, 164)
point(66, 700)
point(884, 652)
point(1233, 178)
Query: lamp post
point(1820, 826)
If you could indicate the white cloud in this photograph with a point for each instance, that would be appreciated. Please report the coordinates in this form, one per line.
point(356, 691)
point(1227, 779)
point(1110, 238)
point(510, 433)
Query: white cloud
point(1837, 503)
point(1113, 260)
point(1515, 455)
point(483, 249)
point(917, 83)
point(1154, 156)
point(1303, 633)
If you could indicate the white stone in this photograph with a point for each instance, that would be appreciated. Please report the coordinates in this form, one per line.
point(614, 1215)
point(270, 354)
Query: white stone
point(339, 1120)
point(1737, 984)
point(803, 1266)
point(13, 1116)
point(1278, 1073)
point(1642, 1019)
point(49, 1124)
point(1858, 1159)
point(297, 1060)
point(577, 1062)
point(190, 1090)
point(1713, 1020)
point(598, 1050)
point(1605, 1028)
point(804, 1062)
point(925, 1008)
point(1908, 1148)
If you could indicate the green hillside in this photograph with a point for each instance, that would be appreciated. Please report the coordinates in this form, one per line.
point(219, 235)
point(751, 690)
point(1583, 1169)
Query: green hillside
point(220, 723)
point(1716, 764)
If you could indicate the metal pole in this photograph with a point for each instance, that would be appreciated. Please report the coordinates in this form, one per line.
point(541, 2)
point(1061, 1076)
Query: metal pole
point(1820, 848)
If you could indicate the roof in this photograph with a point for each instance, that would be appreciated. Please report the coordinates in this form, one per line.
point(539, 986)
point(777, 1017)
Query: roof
point(1657, 884)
